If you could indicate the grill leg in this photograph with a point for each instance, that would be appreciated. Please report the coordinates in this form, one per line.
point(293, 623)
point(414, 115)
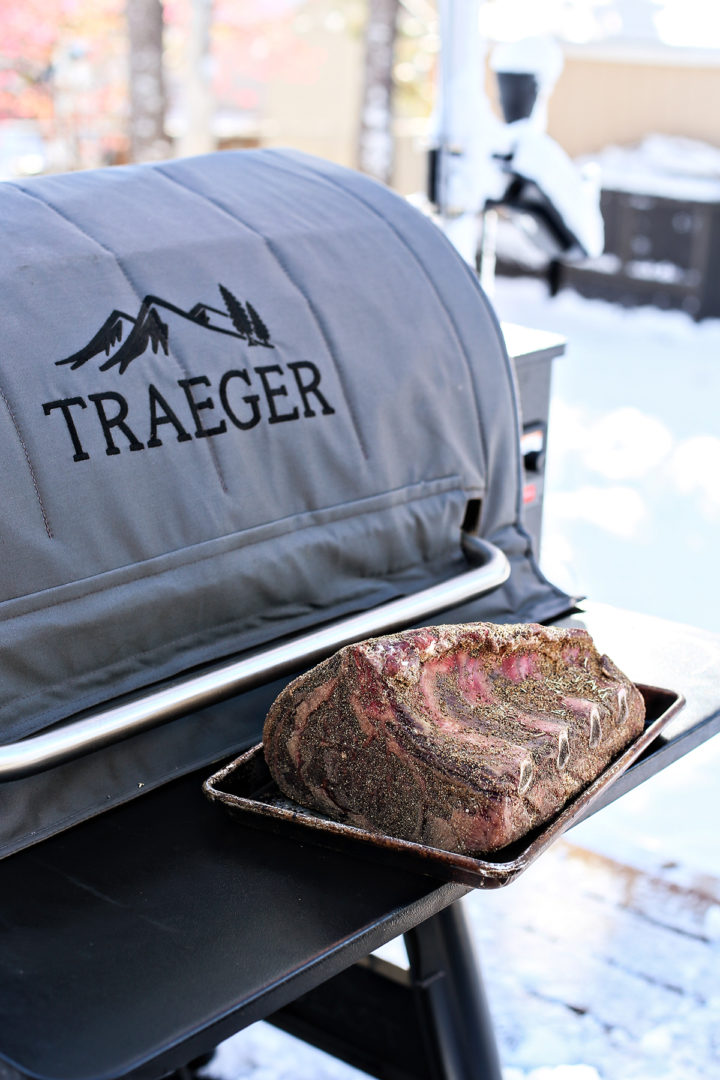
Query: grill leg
point(186, 1072)
point(450, 995)
point(428, 1023)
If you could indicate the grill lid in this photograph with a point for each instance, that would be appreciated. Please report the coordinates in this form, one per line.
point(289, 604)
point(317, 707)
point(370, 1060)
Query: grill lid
point(239, 395)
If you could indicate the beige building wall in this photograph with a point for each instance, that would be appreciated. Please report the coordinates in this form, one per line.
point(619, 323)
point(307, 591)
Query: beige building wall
point(410, 162)
point(598, 102)
point(321, 114)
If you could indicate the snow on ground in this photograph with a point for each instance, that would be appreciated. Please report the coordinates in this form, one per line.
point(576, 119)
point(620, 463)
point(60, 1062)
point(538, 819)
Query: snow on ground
point(632, 508)
point(670, 166)
point(592, 964)
point(602, 961)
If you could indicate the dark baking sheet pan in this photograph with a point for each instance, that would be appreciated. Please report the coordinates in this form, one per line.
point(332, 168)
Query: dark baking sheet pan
point(245, 789)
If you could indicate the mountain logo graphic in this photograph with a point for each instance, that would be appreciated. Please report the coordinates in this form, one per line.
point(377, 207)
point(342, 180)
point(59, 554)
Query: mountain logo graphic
point(122, 338)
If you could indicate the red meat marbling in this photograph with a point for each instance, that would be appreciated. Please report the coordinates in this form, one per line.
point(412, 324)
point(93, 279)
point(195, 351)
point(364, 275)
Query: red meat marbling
point(459, 737)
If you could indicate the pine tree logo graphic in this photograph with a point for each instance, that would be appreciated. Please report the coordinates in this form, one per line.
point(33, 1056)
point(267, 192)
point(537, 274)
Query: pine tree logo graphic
point(246, 320)
point(262, 334)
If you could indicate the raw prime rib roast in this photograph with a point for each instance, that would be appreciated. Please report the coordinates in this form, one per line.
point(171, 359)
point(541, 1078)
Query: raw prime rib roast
point(459, 737)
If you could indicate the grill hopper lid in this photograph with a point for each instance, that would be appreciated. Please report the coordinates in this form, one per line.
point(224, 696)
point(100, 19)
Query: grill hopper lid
point(239, 395)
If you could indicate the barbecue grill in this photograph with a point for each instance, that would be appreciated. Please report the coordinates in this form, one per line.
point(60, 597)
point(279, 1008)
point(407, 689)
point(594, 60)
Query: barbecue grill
point(292, 422)
point(253, 407)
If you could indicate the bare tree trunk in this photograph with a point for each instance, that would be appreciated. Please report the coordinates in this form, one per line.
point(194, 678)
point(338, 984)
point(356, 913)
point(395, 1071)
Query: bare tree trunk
point(199, 106)
point(375, 142)
point(148, 141)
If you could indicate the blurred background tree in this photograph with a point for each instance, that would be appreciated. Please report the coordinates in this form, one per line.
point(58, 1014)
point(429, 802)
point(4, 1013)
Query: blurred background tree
point(146, 80)
point(375, 141)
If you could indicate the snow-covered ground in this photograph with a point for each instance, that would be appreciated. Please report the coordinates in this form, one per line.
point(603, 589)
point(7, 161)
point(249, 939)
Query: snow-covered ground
point(632, 508)
point(625, 917)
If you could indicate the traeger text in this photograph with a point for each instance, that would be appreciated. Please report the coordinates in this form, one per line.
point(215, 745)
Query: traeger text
point(280, 399)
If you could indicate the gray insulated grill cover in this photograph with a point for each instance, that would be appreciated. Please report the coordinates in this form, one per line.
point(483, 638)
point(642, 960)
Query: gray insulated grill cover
point(239, 394)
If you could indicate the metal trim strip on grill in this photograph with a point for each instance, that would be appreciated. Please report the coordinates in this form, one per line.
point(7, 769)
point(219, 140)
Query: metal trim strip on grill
point(112, 723)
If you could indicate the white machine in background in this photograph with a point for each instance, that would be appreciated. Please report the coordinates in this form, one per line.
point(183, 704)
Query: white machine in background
point(480, 165)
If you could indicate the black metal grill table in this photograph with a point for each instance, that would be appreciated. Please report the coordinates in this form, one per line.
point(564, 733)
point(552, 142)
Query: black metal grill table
point(136, 941)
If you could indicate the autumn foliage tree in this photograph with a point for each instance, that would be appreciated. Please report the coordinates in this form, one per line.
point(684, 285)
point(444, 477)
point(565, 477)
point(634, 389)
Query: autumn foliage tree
point(61, 65)
point(28, 39)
